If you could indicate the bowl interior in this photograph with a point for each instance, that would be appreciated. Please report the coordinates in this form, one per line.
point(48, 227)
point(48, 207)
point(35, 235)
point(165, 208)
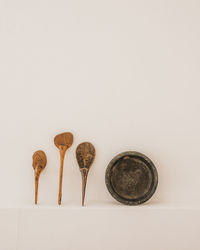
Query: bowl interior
point(131, 178)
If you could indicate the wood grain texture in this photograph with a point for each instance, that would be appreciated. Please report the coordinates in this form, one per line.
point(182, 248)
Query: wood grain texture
point(63, 142)
point(39, 163)
point(85, 154)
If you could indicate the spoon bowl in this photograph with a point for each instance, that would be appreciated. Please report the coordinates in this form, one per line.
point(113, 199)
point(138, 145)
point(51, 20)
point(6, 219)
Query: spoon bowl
point(63, 140)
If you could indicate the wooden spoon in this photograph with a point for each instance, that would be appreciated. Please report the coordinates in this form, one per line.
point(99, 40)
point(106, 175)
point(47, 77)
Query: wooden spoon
point(85, 154)
point(63, 142)
point(39, 163)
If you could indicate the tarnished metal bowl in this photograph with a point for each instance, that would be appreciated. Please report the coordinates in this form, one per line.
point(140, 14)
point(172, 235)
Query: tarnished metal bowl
point(131, 178)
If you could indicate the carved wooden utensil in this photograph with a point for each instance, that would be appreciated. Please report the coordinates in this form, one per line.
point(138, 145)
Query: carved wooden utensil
point(39, 163)
point(63, 142)
point(85, 154)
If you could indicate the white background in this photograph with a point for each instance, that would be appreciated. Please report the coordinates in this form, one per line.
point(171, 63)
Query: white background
point(123, 75)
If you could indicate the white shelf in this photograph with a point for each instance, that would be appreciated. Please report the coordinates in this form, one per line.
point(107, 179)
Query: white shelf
point(96, 227)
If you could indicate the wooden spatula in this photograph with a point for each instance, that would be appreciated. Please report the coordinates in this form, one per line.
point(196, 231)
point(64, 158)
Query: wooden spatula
point(85, 154)
point(39, 163)
point(63, 142)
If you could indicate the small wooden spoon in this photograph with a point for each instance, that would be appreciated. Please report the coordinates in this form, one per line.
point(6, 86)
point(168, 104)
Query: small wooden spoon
point(85, 154)
point(63, 142)
point(39, 163)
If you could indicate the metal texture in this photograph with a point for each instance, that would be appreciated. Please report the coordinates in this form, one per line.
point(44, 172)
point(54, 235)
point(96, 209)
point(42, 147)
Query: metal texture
point(131, 178)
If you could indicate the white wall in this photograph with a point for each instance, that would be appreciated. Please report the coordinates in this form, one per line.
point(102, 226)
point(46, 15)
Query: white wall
point(121, 74)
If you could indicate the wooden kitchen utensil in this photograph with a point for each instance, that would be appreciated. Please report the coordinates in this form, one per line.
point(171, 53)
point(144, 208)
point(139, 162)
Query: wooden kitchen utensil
point(85, 154)
point(39, 163)
point(63, 142)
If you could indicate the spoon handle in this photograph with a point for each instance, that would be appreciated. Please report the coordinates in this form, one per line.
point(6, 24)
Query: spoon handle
point(84, 174)
point(62, 155)
point(36, 187)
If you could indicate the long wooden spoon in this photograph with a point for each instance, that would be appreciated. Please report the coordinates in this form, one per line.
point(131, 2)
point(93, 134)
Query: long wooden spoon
point(63, 142)
point(39, 163)
point(85, 154)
